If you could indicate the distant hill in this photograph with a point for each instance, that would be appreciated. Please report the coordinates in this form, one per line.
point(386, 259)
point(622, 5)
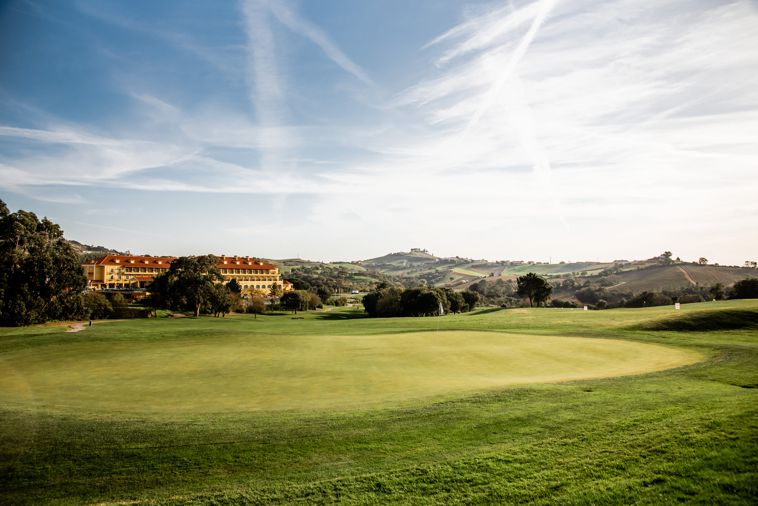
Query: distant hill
point(409, 268)
point(402, 260)
point(88, 252)
point(674, 277)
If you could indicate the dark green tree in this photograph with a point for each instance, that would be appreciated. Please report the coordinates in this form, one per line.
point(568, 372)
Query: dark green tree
point(456, 301)
point(471, 298)
point(220, 300)
point(234, 286)
point(189, 283)
point(97, 305)
point(294, 301)
point(371, 303)
point(534, 287)
point(716, 291)
point(41, 278)
point(745, 289)
point(323, 292)
point(389, 302)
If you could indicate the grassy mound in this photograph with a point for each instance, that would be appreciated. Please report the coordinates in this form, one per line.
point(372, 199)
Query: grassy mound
point(191, 375)
point(727, 319)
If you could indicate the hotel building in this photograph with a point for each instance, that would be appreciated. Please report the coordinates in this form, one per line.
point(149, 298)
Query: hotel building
point(127, 272)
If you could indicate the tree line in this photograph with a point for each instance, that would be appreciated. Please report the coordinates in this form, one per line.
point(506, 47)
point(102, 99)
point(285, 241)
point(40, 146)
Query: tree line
point(41, 279)
point(387, 300)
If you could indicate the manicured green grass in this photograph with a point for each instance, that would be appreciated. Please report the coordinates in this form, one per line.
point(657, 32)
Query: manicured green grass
point(682, 434)
point(200, 374)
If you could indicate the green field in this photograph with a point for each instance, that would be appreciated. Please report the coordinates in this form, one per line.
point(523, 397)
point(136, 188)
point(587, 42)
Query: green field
point(518, 405)
point(467, 272)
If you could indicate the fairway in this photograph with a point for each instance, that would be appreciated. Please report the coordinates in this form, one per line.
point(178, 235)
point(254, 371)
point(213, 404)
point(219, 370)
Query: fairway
point(269, 373)
point(517, 406)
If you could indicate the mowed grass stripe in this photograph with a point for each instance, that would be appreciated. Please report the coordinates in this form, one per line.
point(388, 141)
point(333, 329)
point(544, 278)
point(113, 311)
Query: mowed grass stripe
point(270, 373)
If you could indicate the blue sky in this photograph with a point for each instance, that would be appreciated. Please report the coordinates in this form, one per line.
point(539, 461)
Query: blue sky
point(339, 129)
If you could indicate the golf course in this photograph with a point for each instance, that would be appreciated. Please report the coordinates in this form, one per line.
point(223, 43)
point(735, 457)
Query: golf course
point(540, 405)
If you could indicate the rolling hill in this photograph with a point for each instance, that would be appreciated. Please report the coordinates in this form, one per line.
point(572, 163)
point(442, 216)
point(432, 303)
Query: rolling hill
point(674, 277)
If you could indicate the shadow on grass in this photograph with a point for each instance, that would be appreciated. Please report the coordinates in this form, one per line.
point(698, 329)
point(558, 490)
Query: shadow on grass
point(486, 311)
point(711, 320)
point(341, 316)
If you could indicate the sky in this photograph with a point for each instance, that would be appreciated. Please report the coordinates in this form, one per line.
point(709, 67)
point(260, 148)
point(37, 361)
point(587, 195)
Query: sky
point(344, 130)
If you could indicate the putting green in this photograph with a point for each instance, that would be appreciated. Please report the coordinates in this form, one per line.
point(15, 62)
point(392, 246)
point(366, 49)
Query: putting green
point(221, 374)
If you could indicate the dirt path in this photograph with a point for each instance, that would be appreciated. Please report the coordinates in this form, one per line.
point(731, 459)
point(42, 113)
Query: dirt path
point(687, 276)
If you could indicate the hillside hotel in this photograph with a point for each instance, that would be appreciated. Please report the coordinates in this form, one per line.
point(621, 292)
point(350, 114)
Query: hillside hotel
point(127, 272)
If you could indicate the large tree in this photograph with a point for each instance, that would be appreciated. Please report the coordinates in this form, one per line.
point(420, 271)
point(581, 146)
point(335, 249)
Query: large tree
point(534, 287)
point(745, 289)
point(189, 283)
point(295, 300)
point(41, 278)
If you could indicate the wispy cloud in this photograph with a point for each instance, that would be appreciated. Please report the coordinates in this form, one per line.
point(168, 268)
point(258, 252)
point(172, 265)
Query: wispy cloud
point(215, 57)
point(610, 112)
point(285, 13)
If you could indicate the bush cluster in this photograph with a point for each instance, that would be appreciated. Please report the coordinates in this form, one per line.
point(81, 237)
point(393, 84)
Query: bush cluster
point(394, 301)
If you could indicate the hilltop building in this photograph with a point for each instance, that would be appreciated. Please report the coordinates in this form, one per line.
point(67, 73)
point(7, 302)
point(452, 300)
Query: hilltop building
point(128, 272)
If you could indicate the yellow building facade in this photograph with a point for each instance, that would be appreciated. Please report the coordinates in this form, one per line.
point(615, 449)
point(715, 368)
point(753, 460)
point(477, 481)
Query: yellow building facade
point(130, 272)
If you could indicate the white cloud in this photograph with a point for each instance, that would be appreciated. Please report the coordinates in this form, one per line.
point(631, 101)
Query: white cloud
point(609, 114)
point(285, 13)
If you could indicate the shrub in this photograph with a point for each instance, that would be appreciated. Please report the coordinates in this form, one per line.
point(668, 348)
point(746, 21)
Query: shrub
point(97, 305)
point(745, 289)
point(562, 303)
point(337, 301)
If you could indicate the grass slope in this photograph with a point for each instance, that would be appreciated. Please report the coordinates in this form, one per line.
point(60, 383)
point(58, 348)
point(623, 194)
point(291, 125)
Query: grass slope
point(672, 277)
point(684, 434)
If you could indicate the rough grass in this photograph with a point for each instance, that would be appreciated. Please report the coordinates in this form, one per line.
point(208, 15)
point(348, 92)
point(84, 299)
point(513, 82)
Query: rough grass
point(727, 319)
point(688, 434)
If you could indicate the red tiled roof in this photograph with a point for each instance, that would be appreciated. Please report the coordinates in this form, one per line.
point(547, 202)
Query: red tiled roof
point(225, 262)
point(148, 261)
point(137, 261)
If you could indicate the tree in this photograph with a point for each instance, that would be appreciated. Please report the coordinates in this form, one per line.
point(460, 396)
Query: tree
point(97, 305)
point(716, 291)
point(389, 302)
point(256, 305)
point(371, 303)
point(702, 261)
point(41, 278)
point(456, 301)
point(471, 298)
point(189, 283)
point(745, 289)
point(313, 301)
point(323, 292)
point(534, 287)
point(292, 301)
point(219, 299)
point(234, 286)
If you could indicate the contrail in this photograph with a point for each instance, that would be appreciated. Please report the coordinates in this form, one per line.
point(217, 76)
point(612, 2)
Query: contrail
point(518, 54)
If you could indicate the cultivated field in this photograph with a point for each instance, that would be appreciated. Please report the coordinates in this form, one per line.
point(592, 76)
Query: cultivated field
point(540, 405)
